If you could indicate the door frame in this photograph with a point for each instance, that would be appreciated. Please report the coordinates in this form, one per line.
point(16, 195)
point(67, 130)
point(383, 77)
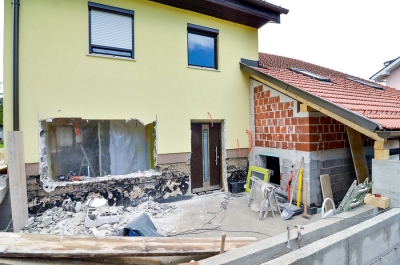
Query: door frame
point(223, 166)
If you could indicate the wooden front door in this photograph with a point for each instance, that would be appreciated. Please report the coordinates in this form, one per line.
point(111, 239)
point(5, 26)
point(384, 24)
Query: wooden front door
point(205, 161)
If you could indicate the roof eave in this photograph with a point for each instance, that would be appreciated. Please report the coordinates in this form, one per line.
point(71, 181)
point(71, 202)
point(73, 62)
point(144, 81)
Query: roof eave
point(353, 117)
point(385, 71)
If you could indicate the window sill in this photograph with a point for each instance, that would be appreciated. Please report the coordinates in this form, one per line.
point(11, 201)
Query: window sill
point(203, 68)
point(111, 57)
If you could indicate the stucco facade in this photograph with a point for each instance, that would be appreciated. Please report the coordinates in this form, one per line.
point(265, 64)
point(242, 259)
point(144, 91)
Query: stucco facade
point(58, 77)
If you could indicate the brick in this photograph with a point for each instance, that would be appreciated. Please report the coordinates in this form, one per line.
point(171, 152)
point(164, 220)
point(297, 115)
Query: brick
point(313, 146)
point(313, 129)
point(266, 129)
point(269, 108)
point(291, 146)
point(332, 128)
point(278, 145)
point(287, 121)
point(262, 94)
point(271, 115)
point(295, 138)
point(314, 120)
point(290, 113)
point(281, 137)
point(283, 113)
point(269, 137)
point(280, 106)
point(269, 122)
point(303, 147)
point(303, 121)
point(274, 107)
point(286, 105)
point(314, 137)
point(320, 128)
point(280, 122)
point(268, 93)
point(304, 138)
point(277, 129)
point(278, 114)
point(272, 130)
point(302, 129)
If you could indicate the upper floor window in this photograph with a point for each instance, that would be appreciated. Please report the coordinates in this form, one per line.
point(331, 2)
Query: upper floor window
point(110, 30)
point(202, 46)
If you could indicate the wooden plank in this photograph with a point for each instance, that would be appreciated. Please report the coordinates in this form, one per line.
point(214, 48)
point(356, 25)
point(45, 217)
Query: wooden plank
point(56, 246)
point(381, 202)
point(389, 144)
point(381, 154)
point(357, 152)
point(306, 108)
point(320, 109)
point(17, 179)
point(326, 190)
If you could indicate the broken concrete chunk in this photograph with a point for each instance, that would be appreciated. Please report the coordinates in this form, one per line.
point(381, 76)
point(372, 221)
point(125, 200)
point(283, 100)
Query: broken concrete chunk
point(47, 220)
point(77, 207)
point(102, 233)
point(97, 202)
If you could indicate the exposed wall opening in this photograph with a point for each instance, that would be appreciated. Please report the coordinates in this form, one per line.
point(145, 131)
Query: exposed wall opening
point(96, 148)
point(272, 162)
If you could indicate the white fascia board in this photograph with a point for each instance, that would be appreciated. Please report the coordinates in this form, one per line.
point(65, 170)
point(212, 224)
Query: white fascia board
point(385, 72)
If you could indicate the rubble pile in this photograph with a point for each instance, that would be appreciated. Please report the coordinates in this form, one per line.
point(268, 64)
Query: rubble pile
point(71, 217)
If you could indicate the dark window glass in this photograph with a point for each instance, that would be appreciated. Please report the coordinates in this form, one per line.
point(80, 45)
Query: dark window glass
point(201, 50)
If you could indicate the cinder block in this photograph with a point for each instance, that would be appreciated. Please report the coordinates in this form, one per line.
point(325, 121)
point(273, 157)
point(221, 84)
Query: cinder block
point(348, 161)
point(350, 175)
point(325, 171)
point(328, 163)
point(337, 170)
point(287, 162)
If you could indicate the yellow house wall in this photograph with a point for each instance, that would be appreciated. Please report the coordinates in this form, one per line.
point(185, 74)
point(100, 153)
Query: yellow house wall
point(59, 79)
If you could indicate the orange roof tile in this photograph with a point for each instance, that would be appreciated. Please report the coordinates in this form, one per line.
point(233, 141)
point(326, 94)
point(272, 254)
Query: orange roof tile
point(381, 106)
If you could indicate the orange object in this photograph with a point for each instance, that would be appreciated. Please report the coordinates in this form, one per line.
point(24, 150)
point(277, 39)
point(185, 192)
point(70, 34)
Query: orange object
point(76, 128)
point(212, 123)
point(251, 141)
point(378, 195)
point(240, 151)
point(288, 184)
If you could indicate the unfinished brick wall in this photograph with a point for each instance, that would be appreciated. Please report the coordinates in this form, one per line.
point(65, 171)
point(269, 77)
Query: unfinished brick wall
point(277, 127)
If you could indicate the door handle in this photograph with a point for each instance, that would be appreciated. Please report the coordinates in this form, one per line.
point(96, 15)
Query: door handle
point(216, 156)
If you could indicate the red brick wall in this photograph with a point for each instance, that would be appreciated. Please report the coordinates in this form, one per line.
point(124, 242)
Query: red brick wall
point(276, 127)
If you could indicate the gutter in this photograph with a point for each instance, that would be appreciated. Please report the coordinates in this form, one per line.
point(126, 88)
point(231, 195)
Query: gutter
point(15, 65)
point(388, 134)
point(355, 118)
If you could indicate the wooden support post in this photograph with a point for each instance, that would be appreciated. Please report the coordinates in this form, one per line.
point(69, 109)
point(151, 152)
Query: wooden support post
point(17, 179)
point(223, 243)
point(357, 152)
point(382, 149)
point(306, 108)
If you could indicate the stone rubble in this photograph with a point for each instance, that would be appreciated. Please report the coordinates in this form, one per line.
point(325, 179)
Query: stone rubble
point(69, 219)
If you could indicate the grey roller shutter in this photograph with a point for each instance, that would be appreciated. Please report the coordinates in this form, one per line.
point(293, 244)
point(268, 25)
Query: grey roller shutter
point(111, 30)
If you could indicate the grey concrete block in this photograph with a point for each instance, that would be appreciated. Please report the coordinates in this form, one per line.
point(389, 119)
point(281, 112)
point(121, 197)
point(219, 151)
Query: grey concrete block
point(287, 162)
point(337, 170)
point(325, 171)
point(348, 161)
point(350, 175)
point(314, 164)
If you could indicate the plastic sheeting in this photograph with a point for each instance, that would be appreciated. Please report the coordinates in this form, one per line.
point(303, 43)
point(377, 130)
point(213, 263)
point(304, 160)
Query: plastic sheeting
point(128, 148)
point(98, 148)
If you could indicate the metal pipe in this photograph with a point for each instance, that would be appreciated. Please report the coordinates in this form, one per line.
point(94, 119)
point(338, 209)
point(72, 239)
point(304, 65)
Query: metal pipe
point(15, 65)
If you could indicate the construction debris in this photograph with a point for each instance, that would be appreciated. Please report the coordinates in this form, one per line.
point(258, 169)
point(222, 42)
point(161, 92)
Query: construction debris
point(92, 218)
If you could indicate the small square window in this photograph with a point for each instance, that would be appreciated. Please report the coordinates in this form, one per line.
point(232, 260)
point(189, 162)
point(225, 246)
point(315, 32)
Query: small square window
point(202, 46)
point(110, 30)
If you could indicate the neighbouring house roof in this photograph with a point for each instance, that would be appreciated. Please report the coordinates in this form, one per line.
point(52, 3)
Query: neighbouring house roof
point(385, 71)
point(252, 13)
point(368, 104)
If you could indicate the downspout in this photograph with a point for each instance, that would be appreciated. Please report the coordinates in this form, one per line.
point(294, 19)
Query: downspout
point(15, 65)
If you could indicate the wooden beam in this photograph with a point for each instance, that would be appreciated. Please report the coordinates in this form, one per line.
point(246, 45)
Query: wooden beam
point(381, 154)
point(17, 180)
point(357, 152)
point(322, 110)
point(389, 144)
point(56, 246)
point(306, 108)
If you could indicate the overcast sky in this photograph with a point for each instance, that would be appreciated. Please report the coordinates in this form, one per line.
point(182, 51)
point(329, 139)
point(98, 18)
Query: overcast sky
point(351, 36)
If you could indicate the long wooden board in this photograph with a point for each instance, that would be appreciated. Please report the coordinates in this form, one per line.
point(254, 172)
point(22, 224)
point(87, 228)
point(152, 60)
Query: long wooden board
point(357, 152)
point(56, 246)
point(326, 190)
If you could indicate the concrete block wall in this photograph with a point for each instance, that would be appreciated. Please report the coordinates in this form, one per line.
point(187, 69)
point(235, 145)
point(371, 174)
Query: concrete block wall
point(386, 179)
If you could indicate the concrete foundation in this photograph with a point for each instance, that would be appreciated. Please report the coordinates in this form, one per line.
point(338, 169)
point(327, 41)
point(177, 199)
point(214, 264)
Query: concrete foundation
point(276, 246)
point(371, 242)
point(168, 182)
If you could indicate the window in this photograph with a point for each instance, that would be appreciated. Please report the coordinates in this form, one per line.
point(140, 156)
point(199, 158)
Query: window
point(202, 46)
point(110, 30)
point(364, 83)
point(310, 74)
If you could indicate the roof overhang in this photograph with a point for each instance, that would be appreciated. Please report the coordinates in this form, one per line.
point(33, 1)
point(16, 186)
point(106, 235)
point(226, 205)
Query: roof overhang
point(385, 71)
point(370, 127)
point(252, 13)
